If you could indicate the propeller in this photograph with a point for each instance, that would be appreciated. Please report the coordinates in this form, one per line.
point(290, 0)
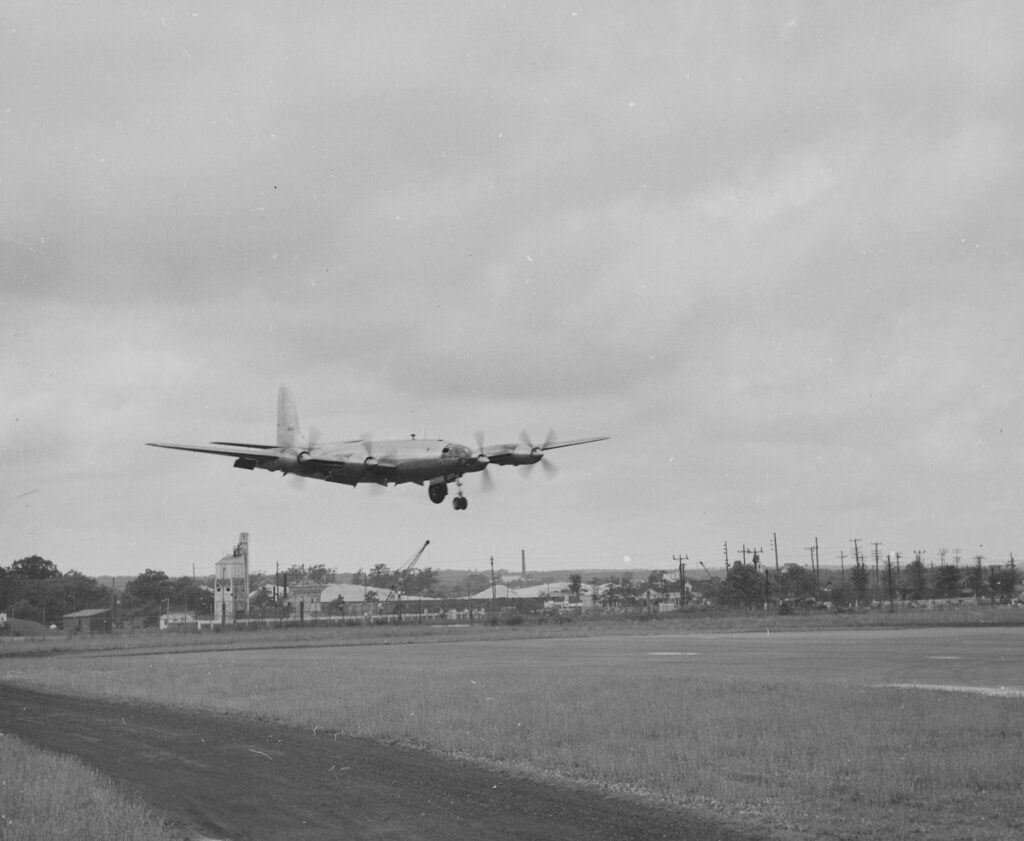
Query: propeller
point(549, 443)
point(486, 479)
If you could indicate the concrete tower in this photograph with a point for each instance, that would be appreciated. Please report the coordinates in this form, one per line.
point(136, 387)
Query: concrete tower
point(231, 583)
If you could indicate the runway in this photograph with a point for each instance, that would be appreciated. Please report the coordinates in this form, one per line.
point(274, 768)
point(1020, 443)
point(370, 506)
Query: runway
point(987, 660)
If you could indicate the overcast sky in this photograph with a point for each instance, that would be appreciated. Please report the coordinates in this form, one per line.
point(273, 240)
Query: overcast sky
point(774, 250)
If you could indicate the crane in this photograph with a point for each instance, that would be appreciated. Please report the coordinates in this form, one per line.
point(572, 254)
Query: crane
point(403, 571)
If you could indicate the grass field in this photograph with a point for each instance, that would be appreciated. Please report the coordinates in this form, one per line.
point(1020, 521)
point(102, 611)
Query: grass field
point(52, 798)
point(798, 760)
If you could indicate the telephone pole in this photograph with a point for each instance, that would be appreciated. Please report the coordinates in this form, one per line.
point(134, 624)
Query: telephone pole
point(876, 545)
point(682, 577)
point(494, 591)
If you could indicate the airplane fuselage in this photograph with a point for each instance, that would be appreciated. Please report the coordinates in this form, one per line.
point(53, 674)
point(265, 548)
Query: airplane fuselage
point(381, 462)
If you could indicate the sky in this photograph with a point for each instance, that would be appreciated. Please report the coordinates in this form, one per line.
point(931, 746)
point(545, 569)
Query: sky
point(773, 250)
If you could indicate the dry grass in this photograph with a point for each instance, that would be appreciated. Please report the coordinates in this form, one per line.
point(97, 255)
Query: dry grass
point(44, 797)
point(798, 760)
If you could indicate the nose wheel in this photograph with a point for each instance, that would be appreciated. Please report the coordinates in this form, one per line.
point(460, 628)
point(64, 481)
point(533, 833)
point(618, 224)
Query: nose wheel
point(460, 503)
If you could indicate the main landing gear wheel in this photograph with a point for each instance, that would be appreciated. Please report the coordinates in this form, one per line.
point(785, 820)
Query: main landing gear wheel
point(460, 503)
point(437, 492)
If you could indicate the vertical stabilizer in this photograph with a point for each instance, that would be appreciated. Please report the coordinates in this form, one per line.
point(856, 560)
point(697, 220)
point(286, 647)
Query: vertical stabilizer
point(288, 432)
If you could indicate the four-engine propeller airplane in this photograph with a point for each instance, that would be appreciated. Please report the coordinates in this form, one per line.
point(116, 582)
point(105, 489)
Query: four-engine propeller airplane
point(364, 460)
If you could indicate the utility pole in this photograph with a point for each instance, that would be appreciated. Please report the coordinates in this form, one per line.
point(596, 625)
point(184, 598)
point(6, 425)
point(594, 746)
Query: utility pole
point(725, 546)
point(876, 545)
point(814, 565)
point(756, 553)
point(842, 570)
point(682, 578)
point(811, 550)
point(494, 591)
point(775, 546)
point(856, 561)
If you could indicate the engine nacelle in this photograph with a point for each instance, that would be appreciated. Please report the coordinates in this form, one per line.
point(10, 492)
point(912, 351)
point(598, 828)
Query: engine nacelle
point(521, 456)
point(292, 460)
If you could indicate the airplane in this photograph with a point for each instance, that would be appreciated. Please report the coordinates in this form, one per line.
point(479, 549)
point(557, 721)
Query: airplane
point(363, 460)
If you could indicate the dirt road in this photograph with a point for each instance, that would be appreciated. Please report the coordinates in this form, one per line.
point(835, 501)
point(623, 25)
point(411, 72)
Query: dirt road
point(229, 777)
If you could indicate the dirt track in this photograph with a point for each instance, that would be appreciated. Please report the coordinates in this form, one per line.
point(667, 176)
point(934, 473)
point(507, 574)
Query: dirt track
point(230, 777)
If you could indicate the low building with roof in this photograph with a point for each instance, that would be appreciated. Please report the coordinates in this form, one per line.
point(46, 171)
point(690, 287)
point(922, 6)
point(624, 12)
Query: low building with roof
point(95, 621)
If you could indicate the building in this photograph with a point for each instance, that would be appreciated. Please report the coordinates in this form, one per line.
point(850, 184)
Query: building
point(180, 620)
point(231, 583)
point(87, 622)
point(304, 600)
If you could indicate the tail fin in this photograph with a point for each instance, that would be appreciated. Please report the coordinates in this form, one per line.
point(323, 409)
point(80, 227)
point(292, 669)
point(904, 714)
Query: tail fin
point(289, 434)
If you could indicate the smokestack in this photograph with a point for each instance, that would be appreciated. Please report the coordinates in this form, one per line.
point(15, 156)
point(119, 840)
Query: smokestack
point(523, 554)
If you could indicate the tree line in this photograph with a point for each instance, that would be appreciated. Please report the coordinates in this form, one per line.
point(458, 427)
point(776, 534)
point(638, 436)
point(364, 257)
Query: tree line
point(34, 589)
point(751, 585)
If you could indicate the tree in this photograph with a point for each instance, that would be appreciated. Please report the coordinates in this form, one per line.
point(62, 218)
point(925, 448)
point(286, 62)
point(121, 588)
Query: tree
point(33, 588)
point(975, 578)
point(743, 587)
point(656, 581)
point(1009, 579)
point(475, 582)
point(575, 587)
point(797, 582)
point(35, 568)
point(145, 593)
point(947, 582)
point(380, 576)
point(416, 582)
point(860, 577)
point(916, 586)
point(318, 573)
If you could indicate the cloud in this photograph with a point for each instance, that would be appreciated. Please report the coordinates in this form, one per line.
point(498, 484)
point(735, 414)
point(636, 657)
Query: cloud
point(773, 252)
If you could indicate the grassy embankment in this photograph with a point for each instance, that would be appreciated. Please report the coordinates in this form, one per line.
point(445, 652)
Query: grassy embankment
point(44, 797)
point(801, 761)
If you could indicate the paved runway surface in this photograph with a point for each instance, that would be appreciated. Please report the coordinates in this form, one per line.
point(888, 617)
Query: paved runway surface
point(967, 658)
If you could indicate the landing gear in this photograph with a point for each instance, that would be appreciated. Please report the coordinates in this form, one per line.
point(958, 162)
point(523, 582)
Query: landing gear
point(460, 503)
point(437, 491)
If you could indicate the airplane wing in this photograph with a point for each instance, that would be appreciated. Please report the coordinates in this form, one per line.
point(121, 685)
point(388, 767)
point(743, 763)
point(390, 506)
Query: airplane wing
point(527, 452)
point(269, 457)
point(554, 445)
point(258, 452)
